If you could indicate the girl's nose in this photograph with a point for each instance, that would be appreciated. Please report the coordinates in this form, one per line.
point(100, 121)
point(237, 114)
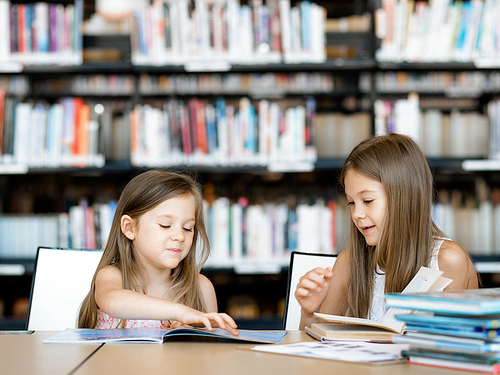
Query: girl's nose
point(358, 214)
point(178, 234)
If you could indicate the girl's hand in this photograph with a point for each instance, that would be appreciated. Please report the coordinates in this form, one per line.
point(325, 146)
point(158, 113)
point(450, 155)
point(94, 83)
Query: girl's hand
point(210, 320)
point(313, 288)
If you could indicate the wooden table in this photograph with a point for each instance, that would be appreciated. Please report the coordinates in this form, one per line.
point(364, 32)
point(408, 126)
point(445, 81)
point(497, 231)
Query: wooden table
point(219, 359)
point(22, 354)
point(26, 354)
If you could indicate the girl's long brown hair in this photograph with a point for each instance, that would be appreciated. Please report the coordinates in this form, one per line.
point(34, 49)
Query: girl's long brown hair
point(143, 193)
point(405, 242)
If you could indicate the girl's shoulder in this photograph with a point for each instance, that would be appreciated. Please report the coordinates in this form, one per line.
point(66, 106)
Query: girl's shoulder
point(205, 283)
point(452, 254)
point(109, 271)
point(457, 265)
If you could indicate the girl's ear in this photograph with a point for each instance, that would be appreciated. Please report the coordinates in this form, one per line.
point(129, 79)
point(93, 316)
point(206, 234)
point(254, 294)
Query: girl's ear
point(127, 227)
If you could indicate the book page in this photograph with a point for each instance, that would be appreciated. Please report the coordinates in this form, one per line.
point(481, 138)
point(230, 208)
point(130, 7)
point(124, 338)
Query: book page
point(361, 321)
point(425, 280)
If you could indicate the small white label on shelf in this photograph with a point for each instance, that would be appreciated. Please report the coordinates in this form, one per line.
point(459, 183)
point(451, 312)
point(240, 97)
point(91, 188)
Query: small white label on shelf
point(258, 267)
point(13, 168)
point(481, 165)
point(487, 63)
point(215, 66)
point(12, 269)
point(10, 67)
point(487, 267)
point(290, 167)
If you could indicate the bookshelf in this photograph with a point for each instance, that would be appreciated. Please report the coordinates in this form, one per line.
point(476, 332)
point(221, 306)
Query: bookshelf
point(344, 87)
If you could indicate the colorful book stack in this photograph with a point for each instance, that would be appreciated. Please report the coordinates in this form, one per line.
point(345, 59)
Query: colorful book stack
point(452, 329)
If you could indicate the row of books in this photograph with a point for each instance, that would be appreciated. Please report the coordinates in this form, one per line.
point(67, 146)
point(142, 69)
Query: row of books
point(272, 84)
point(455, 330)
point(83, 226)
point(18, 84)
point(263, 85)
point(336, 134)
point(65, 133)
point(457, 134)
point(41, 33)
point(452, 84)
point(93, 84)
point(252, 236)
point(209, 32)
point(439, 31)
point(248, 235)
point(220, 132)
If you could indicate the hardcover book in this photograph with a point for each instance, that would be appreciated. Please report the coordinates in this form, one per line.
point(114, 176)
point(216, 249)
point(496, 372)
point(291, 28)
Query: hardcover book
point(456, 302)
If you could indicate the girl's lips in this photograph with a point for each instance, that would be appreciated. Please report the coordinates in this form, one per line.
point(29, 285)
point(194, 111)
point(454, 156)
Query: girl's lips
point(175, 250)
point(367, 229)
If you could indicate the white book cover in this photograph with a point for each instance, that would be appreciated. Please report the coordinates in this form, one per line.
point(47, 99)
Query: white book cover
point(22, 133)
point(77, 226)
point(236, 232)
point(274, 126)
point(485, 226)
point(280, 228)
point(220, 240)
point(459, 131)
point(299, 137)
point(325, 227)
point(433, 133)
point(285, 24)
point(246, 44)
point(233, 26)
point(264, 126)
point(4, 31)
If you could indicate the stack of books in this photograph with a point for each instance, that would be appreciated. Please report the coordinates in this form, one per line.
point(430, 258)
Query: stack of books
point(453, 329)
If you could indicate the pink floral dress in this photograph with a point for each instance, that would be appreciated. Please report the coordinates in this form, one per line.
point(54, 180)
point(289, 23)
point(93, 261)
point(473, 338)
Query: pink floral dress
point(104, 321)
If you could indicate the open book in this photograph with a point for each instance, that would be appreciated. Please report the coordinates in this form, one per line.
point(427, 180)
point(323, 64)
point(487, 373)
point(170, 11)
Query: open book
point(160, 335)
point(345, 327)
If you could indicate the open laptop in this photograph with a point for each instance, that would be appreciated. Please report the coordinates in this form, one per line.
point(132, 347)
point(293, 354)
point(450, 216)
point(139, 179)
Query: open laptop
point(61, 280)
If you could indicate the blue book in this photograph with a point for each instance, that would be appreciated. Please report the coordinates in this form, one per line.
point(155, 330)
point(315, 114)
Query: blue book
point(455, 302)
point(484, 322)
point(445, 342)
point(210, 117)
point(160, 335)
point(489, 335)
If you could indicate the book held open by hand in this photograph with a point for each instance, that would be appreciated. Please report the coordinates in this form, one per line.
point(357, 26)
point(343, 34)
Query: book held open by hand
point(161, 335)
point(345, 327)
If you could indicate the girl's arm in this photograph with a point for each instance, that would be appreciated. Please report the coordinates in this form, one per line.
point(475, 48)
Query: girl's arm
point(127, 304)
point(456, 264)
point(324, 290)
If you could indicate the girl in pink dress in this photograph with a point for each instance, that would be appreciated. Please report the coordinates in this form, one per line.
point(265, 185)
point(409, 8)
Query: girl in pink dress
point(149, 275)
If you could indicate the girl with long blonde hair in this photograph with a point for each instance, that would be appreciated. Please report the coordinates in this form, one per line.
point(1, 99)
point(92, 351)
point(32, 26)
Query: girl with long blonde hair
point(149, 274)
point(389, 190)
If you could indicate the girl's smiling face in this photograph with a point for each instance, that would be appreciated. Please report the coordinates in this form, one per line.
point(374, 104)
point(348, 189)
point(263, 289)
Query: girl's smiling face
point(367, 202)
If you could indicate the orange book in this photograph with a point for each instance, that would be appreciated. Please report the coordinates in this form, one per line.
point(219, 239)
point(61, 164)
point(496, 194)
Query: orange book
point(21, 27)
point(78, 103)
point(201, 127)
point(83, 134)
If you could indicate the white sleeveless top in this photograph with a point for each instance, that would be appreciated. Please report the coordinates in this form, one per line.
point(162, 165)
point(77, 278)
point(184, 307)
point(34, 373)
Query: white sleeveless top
point(378, 310)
